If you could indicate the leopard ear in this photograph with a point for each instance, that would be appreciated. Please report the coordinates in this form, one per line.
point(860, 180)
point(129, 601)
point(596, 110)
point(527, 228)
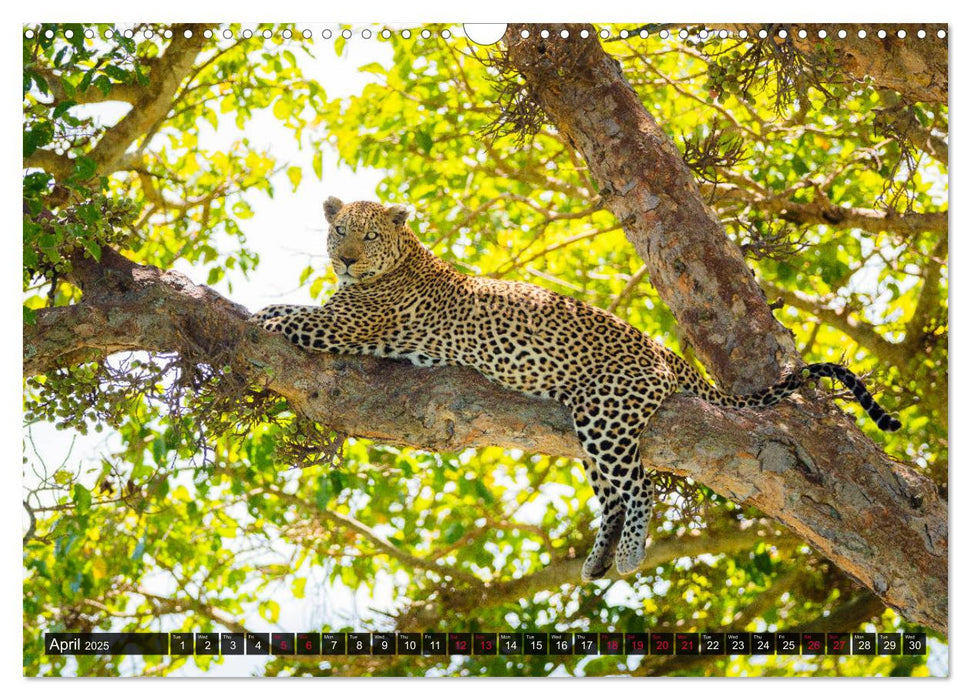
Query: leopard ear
point(331, 207)
point(399, 214)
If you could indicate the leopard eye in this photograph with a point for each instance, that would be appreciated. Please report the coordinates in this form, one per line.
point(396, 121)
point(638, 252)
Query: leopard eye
point(339, 230)
point(370, 236)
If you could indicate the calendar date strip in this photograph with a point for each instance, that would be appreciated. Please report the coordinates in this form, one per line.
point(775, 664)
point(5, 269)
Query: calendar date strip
point(485, 643)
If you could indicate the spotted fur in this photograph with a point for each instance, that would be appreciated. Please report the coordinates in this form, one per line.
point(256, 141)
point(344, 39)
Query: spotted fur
point(396, 299)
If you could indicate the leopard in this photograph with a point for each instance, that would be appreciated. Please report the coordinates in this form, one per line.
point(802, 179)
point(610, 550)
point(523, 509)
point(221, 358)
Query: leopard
point(396, 299)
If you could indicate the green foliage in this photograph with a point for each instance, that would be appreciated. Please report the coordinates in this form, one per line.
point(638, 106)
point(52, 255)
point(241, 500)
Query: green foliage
point(195, 518)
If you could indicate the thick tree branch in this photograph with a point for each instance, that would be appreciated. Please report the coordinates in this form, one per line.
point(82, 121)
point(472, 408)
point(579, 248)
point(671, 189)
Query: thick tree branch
point(914, 67)
point(698, 272)
point(803, 462)
point(155, 102)
point(150, 105)
point(119, 92)
point(58, 165)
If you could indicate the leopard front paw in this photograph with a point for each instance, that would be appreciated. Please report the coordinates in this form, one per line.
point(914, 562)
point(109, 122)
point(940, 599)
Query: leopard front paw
point(271, 312)
point(273, 324)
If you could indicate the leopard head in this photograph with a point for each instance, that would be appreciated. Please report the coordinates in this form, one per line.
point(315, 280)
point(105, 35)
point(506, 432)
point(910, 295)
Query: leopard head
point(366, 240)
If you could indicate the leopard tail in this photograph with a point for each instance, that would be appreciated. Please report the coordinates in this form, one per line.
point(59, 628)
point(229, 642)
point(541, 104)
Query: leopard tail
point(692, 382)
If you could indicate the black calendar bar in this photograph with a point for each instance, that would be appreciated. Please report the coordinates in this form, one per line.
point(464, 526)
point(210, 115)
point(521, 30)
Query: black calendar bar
point(486, 643)
point(105, 643)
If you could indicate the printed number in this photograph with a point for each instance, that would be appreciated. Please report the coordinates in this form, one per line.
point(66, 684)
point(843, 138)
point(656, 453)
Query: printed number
point(739, 645)
point(788, 645)
point(662, 645)
point(711, 644)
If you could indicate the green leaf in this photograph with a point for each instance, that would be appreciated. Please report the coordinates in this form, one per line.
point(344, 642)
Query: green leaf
point(299, 587)
point(62, 107)
point(424, 140)
point(453, 533)
point(159, 450)
point(94, 250)
point(324, 492)
point(77, 35)
point(84, 169)
point(103, 83)
point(269, 610)
point(242, 210)
point(82, 498)
point(295, 174)
point(119, 74)
point(282, 109)
point(36, 137)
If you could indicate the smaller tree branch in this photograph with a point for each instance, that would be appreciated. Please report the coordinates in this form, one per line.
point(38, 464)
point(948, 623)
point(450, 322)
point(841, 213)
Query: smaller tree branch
point(823, 212)
point(119, 92)
point(381, 544)
point(163, 605)
point(566, 570)
point(863, 333)
point(60, 166)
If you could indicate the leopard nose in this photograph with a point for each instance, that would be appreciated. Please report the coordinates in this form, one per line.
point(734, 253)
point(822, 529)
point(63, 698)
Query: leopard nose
point(348, 261)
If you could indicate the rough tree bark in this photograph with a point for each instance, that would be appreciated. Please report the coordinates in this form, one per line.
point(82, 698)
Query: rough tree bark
point(879, 521)
point(913, 67)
